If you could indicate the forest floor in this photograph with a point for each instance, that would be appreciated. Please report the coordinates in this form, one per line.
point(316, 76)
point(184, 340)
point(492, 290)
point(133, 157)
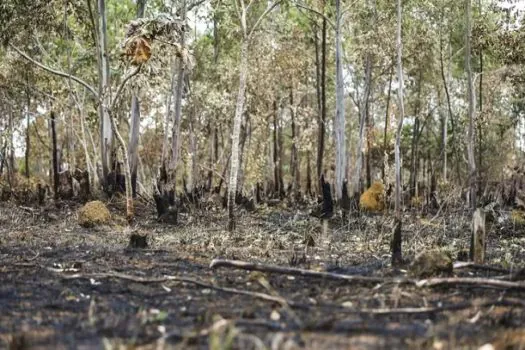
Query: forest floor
point(64, 287)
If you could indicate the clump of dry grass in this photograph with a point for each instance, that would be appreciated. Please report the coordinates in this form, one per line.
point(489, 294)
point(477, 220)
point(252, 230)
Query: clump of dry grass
point(93, 213)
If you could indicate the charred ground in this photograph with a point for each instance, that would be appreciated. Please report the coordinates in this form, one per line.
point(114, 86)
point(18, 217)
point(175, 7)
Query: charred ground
point(66, 286)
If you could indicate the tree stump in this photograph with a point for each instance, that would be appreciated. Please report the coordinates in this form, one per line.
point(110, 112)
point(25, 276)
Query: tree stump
point(478, 240)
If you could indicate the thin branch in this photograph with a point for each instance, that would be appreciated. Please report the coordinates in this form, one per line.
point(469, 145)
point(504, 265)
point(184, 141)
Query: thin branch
point(121, 86)
point(322, 15)
point(144, 280)
point(468, 281)
point(238, 12)
point(270, 8)
point(472, 265)
point(216, 263)
point(55, 72)
point(453, 307)
point(195, 4)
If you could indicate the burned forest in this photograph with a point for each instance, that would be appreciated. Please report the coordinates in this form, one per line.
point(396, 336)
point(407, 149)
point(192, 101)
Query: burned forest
point(247, 174)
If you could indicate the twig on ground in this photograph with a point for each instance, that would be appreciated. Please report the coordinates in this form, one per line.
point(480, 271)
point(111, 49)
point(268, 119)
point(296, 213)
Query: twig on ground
point(471, 281)
point(216, 263)
point(438, 309)
point(469, 264)
point(37, 254)
point(139, 279)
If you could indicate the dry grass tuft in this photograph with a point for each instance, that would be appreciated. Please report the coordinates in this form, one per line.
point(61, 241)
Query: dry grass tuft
point(93, 213)
point(373, 199)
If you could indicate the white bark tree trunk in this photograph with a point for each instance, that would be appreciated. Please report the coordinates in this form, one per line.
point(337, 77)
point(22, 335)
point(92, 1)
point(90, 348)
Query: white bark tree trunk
point(471, 107)
point(239, 108)
point(175, 140)
point(339, 123)
point(133, 154)
point(396, 239)
point(106, 133)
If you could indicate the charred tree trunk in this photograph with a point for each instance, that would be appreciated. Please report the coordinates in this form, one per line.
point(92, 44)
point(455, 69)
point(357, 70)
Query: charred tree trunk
point(11, 153)
point(276, 151)
point(134, 141)
point(308, 174)
point(55, 155)
point(294, 159)
point(28, 139)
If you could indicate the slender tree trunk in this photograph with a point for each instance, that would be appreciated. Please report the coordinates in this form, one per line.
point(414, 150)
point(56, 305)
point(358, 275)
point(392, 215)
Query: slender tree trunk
point(317, 75)
point(176, 137)
point(385, 132)
point(55, 154)
point(280, 154)
point(239, 108)
point(28, 139)
point(276, 151)
point(449, 105)
point(193, 173)
point(294, 159)
point(480, 110)
point(167, 115)
point(415, 141)
point(397, 257)
point(106, 134)
point(339, 123)
point(471, 107)
point(11, 154)
point(214, 139)
point(308, 174)
point(130, 210)
point(133, 155)
point(242, 141)
point(362, 121)
point(322, 121)
point(91, 166)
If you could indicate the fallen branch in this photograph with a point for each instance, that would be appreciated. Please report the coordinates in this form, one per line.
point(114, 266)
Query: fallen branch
point(468, 264)
point(216, 263)
point(478, 282)
point(144, 280)
point(437, 309)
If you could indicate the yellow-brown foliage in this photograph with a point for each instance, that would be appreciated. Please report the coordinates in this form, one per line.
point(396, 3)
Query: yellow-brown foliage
point(20, 187)
point(373, 199)
point(139, 49)
point(417, 201)
point(518, 216)
point(93, 213)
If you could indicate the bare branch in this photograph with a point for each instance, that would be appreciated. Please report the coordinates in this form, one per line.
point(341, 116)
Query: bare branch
point(145, 280)
point(270, 8)
point(195, 4)
point(56, 72)
point(121, 86)
point(469, 281)
point(301, 272)
point(316, 12)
